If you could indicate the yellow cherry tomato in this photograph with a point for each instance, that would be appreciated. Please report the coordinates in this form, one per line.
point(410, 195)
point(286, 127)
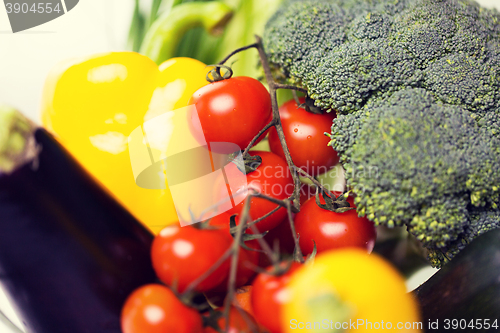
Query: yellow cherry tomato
point(348, 290)
point(93, 104)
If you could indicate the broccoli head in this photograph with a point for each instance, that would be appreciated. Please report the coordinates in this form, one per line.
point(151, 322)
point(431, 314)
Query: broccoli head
point(347, 52)
point(416, 86)
point(420, 163)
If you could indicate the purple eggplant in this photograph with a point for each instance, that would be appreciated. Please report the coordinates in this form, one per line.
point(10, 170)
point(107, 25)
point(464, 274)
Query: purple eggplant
point(69, 253)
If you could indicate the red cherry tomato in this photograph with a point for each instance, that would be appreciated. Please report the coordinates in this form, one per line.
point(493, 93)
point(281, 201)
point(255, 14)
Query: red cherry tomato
point(269, 293)
point(272, 178)
point(304, 134)
point(232, 110)
point(154, 308)
point(331, 230)
point(181, 255)
point(240, 321)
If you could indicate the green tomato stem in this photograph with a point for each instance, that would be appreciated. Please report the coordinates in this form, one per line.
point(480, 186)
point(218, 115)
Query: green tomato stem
point(162, 38)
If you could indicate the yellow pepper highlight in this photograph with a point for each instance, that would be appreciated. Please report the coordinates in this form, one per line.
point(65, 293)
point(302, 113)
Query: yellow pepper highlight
point(93, 104)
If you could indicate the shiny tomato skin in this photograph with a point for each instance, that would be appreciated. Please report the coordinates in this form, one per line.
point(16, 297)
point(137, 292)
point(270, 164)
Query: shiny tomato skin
point(154, 308)
point(232, 110)
point(180, 256)
point(304, 134)
point(269, 293)
point(331, 230)
point(272, 178)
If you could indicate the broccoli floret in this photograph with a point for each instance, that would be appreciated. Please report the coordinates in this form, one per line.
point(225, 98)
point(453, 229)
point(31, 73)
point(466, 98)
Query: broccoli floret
point(491, 123)
point(379, 69)
point(416, 87)
point(348, 52)
point(416, 162)
point(479, 222)
point(467, 81)
point(326, 32)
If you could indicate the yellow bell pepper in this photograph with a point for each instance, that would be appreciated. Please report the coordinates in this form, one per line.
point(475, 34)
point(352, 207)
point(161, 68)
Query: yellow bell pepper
point(93, 104)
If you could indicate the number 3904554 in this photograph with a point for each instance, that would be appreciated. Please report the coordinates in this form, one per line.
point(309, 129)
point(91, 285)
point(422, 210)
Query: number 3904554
point(39, 8)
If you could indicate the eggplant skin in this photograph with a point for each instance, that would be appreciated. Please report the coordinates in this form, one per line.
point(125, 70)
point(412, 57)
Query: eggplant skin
point(69, 253)
point(468, 287)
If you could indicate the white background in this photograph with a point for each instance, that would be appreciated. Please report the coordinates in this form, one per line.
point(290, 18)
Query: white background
point(26, 57)
point(92, 26)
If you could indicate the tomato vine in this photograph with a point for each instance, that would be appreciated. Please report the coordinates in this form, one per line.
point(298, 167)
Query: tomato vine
point(292, 203)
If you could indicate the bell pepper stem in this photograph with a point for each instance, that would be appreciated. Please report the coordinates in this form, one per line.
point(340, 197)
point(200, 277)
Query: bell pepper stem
point(155, 8)
point(165, 5)
point(163, 37)
point(16, 139)
point(165, 34)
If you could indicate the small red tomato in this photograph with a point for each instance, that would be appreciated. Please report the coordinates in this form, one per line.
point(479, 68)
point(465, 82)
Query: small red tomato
point(269, 293)
point(331, 230)
point(181, 255)
point(154, 308)
point(240, 321)
point(304, 134)
point(271, 178)
point(232, 110)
